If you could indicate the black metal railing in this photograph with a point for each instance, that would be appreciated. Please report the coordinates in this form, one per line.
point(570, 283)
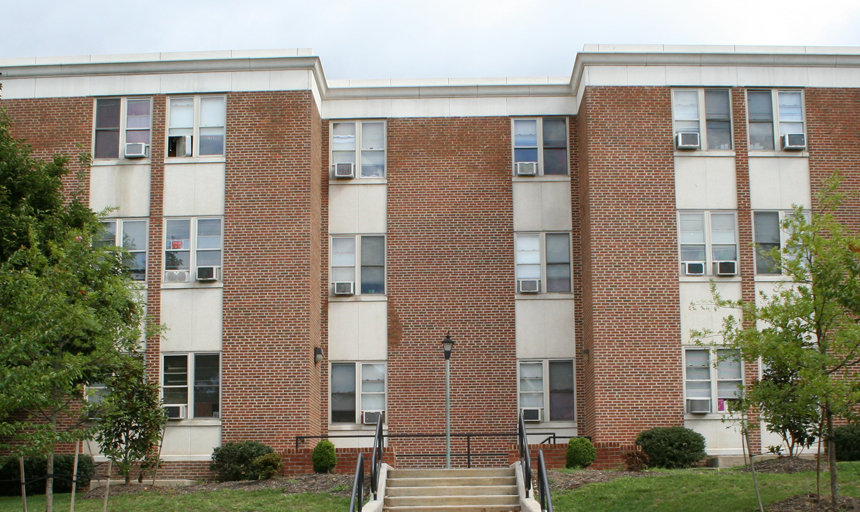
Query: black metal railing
point(376, 458)
point(525, 459)
point(356, 500)
point(543, 485)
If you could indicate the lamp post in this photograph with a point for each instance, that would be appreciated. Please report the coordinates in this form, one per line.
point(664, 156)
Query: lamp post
point(447, 345)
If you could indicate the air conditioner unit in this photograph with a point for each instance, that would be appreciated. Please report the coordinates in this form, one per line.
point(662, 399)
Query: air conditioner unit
point(532, 414)
point(372, 417)
point(528, 285)
point(208, 273)
point(726, 268)
point(176, 412)
point(687, 140)
point(136, 150)
point(179, 145)
point(698, 405)
point(694, 268)
point(344, 170)
point(344, 288)
point(794, 142)
point(527, 168)
point(176, 276)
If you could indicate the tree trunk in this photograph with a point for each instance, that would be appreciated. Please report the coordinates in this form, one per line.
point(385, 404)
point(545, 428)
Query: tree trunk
point(831, 457)
point(49, 484)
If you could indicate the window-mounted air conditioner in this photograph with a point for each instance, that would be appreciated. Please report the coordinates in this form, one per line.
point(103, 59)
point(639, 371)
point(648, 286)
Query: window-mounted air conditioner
point(698, 405)
point(528, 285)
point(344, 288)
point(687, 140)
point(176, 412)
point(794, 142)
point(179, 145)
point(208, 273)
point(372, 417)
point(726, 268)
point(532, 414)
point(527, 168)
point(694, 268)
point(343, 170)
point(176, 276)
point(136, 150)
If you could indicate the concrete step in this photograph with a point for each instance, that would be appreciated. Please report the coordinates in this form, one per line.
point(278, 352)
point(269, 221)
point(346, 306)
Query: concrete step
point(438, 473)
point(418, 501)
point(452, 481)
point(455, 508)
point(460, 490)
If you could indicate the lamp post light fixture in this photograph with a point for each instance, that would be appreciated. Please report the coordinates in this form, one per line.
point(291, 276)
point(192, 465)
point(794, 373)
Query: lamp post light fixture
point(447, 345)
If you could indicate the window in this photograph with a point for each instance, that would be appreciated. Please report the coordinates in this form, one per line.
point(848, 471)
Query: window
point(788, 106)
point(769, 235)
point(196, 126)
point(542, 142)
point(131, 235)
point(708, 241)
point(193, 380)
point(548, 385)
point(192, 244)
point(360, 143)
point(533, 263)
point(359, 259)
point(713, 378)
point(349, 406)
point(688, 111)
point(121, 121)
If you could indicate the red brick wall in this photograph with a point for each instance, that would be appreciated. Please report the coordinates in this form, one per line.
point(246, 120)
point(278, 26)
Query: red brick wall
point(450, 267)
point(156, 230)
point(630, 288)
point(271, 268)
point(62, 126)
point(576, 267)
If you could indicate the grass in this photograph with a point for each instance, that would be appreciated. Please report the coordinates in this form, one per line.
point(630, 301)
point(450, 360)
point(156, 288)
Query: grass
point(697, 490)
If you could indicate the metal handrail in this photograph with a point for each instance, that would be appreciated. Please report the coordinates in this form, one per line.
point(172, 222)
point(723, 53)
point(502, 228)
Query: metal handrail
point(543, 485)
point(525, 459)
point(357, 497)
point(376, 458)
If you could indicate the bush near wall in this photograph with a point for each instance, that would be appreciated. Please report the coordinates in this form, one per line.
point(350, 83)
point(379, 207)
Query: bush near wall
point(847, 439)
point(672, 447)
point(34, 467)
point(235, 461)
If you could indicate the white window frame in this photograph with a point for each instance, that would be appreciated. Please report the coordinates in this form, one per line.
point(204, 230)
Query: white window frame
point(545, 384)
point(192, 249)
point(191, 368)
point(119, 231)
point(542, 236)
point(784, 235)
point(708, 240)
point(357, 266)
point(359, 391)
point(123, 127)
point(196, 127)
point(539, 147)
point(358, 150)
point(702, 116)
point(776, 121)
point(719, 405)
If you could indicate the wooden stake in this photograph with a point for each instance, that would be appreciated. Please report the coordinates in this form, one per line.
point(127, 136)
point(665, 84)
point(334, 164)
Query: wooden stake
point(107, 487)
point(74, 478)
point(23, 485)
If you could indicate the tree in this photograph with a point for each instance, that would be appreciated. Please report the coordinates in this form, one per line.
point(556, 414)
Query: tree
point(68, 311)
point(130, 419)
point(808, 331)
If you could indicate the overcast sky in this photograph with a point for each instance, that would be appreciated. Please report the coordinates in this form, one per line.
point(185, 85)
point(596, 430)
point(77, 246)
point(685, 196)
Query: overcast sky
point(417, 38)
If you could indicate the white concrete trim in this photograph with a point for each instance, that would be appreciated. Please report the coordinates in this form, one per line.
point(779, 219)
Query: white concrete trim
point(527, 504)
point(377, 504)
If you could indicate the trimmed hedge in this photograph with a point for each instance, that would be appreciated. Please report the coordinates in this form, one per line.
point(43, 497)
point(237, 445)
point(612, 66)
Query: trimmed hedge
point(847, 439)
point(672, 447)
point(268, 465)
point(580, 453)
point(235, 461)
point(324, 457)
point(34, 467)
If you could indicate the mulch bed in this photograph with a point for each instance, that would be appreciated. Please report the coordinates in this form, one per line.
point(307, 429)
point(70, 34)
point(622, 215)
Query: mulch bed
point(564, 480)
point(786, 465)
point(808, 502)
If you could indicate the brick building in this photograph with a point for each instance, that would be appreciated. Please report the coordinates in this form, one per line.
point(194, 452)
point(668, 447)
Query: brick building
point(558, 228)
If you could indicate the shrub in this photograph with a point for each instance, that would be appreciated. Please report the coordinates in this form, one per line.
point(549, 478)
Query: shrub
point(580, 453)
point(672, 447)
point(636, 460)
point(34, 467)
point(268, 465)
point(324, 457)
point(847, 439)
point(235, 461)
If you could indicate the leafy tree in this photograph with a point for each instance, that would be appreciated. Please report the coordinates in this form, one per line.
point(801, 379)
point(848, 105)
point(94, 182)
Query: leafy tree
point(810, 324)
point(68, 312)
point(130, 419)
point(788, 410)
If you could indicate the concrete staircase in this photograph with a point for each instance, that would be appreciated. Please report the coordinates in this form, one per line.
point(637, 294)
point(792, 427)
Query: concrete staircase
point(451, 490)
